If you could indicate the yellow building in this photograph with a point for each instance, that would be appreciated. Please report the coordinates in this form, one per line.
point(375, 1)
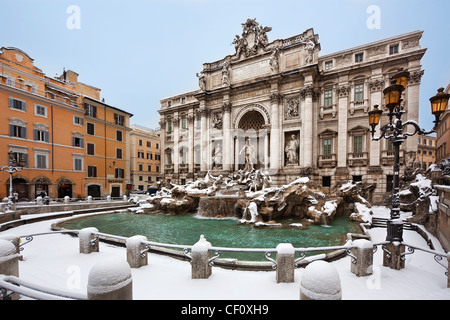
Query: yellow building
point(41, 124)
point(107, 149)
point(426, 151)
point(145, 158)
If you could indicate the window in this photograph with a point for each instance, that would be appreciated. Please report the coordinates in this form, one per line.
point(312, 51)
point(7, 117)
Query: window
point(90, 149)
point(157, 146)
point(78, 164)
point(78, 120)
point(119, 135)
point(157, 157)
point(393, 49)
point(21, 157)
point(140, 154)
point(359, 92)
point(40, 135)
point(92, 171)
point(17, 131)
point(90, 110)
point(169, 126)
point(119, 153)
point(90, 128)
point(40, 111)
point(140, 142)
point(17, 104)
point(157, 168)
point(149, 144)
point(357, 144)
point(357, 178)
point(141, 167)
point(326, 181)
point(183, 100)
point(78, 142)
point(328, 97)
point(149, 156)
point(119, 173)
point(141, 178)
point(328, 65)
point(198, 121)
point(149, 167)
point(119, 119)
point(359, 57)
point(41, 161)
point(184, 123)
point(327, 147)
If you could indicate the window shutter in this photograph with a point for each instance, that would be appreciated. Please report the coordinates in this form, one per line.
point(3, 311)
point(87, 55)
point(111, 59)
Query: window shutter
point(81, 143)
point(24, 132)
point(11, 102)
point(46, 137)
point(24, 106)
point(11, 130)
point(35, 135)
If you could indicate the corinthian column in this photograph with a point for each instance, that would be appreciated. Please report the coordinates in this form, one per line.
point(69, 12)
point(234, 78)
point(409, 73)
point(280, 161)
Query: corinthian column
point(204, 137)
point(275, 141)
point(307, 124)
point(227, 148)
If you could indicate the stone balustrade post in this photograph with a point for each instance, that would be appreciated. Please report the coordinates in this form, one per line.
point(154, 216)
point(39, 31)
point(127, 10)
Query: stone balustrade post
point(320, 281)
point(136, 252)
point(9, 262)
point(89, 199)
point(200, 259)
point(392, 256)
point(110, 280)
point(89, 241)
point(285, 263)
point(39, 201)
point(66, 200)
point(363, 253)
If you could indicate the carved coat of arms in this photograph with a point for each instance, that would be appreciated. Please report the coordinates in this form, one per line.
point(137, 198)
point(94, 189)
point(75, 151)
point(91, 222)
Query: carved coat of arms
point(254, 38)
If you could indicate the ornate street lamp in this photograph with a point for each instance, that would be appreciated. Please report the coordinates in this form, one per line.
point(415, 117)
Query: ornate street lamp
point(13, 166)
point(394, 132)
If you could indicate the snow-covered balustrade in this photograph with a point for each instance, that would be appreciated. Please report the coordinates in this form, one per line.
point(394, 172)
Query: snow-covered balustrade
point(89, 240)
point(137, 251)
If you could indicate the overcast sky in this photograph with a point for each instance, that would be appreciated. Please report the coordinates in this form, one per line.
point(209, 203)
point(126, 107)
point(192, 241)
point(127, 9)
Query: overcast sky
point(140, 51)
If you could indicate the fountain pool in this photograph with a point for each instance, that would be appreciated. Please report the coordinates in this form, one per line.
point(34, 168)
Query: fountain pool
point(186, 230)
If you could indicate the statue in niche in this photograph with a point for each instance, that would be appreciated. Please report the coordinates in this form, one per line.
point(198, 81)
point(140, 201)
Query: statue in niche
point(217, 155)
point(309, 47)
point(249, 155)
point(201, 81)
point(291, 150)
point(291, 109)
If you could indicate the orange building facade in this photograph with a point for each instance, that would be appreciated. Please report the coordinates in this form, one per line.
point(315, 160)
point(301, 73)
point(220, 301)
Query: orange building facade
point(67, 148)
point(41, 124)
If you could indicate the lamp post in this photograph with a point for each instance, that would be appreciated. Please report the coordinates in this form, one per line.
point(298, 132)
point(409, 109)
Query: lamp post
point(395, 133)
point(11, 168)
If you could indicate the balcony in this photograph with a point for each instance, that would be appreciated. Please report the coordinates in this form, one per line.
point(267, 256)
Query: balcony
point(327, 161)
point(358, 159)
point(387, 157)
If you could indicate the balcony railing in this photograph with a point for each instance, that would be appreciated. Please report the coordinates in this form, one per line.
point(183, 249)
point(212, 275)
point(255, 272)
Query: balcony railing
point(327, 161)
point(356, 159)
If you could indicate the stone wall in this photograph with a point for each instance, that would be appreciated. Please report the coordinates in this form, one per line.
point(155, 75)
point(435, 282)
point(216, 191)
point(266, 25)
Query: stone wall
point(442, 222)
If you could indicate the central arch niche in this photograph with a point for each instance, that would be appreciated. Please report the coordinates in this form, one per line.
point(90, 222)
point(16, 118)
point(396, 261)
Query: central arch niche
point(251, 125)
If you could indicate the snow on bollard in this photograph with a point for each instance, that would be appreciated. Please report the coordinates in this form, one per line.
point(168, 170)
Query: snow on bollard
point(136, 252)
point(125, 198)
point(14, 239)
point(88, 240)
point(39, 201)
point(66, 200)
point(110, 280)
point(200, 267)
point(363, 253)
point(320, 281)
point(89, 199)
point(285, 262)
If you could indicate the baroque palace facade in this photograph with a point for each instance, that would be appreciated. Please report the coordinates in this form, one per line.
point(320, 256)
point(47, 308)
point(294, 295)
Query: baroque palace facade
point(302, 114)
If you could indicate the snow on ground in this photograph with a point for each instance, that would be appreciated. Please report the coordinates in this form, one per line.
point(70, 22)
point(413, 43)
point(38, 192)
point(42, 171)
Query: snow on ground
point(54, 261)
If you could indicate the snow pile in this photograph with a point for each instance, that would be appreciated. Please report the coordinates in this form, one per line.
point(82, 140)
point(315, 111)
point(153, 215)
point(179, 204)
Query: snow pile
point(6, 248)
point(320, 281)
point(202, 245)
point(109, 275)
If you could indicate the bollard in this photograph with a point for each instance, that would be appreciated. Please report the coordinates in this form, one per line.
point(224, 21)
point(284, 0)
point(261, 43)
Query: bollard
point(285, 263)
point(392, 255)
point(363, 253)
point(320, 281)
point(39, 201)
point(89, 199)
point(200, 268)
point(88, 240)
point(110, 280)
point(134, 249)
point(66, 200)
point(9, 262)
point(125, 198)
point(108, 198)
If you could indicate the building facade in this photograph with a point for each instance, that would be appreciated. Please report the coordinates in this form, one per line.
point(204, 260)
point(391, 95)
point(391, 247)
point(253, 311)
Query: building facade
point(443, 135)
point(41, 124)
point(302, 114)
point(145, 158)
point(426, 151)
point(72, 143)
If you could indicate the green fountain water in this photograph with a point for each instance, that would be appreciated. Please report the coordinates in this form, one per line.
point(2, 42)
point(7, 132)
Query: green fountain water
point(186, 230)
